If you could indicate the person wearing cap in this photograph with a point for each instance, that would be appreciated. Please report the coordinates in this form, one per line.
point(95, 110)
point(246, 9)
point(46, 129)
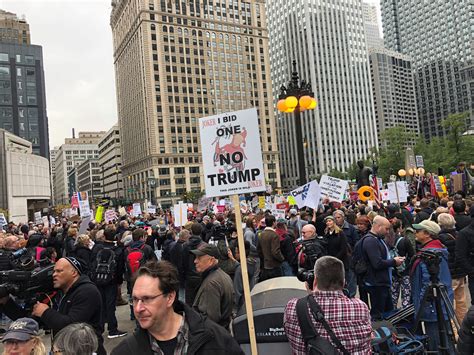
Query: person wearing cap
point(79, 300)
point(427, 236)
point(22, 338)
point(465, 250)
point(215, 297)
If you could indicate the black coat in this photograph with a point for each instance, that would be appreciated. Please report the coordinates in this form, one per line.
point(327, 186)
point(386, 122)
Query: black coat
point(462, 221)
point(465, 249)
point(82, 303)
point(425, 213)
point(449, 238)
point(5, 260)
point(188, 269)
point(119, 258)
point(176, 256)
point(205, 337)
point(83, 254)
point(466, 336)
point(338, 247)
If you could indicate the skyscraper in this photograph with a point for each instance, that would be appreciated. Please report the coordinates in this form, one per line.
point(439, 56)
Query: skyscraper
point(22, 84)
point(176, 61)
point(328, 42)
point(438, 36)
point(371, 25)
point(393, 86)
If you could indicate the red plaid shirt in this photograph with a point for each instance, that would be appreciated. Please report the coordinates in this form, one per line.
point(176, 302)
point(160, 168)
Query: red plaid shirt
point(349, 318)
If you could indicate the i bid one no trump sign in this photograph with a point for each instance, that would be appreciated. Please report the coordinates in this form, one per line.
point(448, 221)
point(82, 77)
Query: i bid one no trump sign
point(231, 153)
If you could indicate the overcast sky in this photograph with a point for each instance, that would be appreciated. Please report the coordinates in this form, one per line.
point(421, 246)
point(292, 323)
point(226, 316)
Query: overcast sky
point(78, 62)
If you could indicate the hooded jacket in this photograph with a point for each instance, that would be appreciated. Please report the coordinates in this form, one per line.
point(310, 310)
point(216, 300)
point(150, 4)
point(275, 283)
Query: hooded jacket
point(420, 279)
point(465, 249)
point(205, 337)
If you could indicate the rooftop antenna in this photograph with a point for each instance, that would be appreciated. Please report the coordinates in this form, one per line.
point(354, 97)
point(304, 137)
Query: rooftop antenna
point(73, 133)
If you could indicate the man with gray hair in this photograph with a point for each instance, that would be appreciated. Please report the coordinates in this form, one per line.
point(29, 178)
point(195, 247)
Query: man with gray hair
point(348, 318)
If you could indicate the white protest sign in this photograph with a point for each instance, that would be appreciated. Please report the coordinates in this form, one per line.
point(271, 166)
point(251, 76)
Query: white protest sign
point(45, 221)
point(3, 220)
point(204, 203)
point(397, 192)
point(333, 188)
point(231, 153)
point(38, 218)
point(84, 208)
point(52, 220)
point(84, 224)
point(137, 209)
point(278, 213)
point(180, 212)
point(384, 195)
point(110, 215)
point(307, 195)
point(151, 209)
point(73, 212)
point(403, 192)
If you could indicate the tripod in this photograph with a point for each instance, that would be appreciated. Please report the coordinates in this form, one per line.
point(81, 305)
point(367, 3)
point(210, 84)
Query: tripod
point(436, 292)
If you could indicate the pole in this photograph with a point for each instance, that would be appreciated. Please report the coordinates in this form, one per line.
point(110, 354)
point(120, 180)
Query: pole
point(245, 280)
point(299, 147)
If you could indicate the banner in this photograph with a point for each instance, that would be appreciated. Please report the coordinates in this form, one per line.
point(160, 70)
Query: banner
point(231, 153)
point(333, 188)
point(307, 195)
point(99, 214)
point(84, 208)
point(137, 209)
point(110, 215)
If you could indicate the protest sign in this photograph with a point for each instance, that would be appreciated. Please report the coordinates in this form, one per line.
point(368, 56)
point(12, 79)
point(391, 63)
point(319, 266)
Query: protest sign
point(203, 203)
point(278, 213)
point(52, 220)
point(261, 202)
point(122, 211)
point(151, 209)
point(74, 201)
point(84, 208)
point(307, 195)
point(419, 161)
point(3, 220)
point(137, 209)
point(438, 184)
point(282, 206)
point(384, 194)
point(45, 221)
point(397, 191)
point(231, 153)
point(84, 225)
point(38, 218)
point(291, 200)
point(99, 214)
point(110, 215)
point(180, 212)
point(333, 188)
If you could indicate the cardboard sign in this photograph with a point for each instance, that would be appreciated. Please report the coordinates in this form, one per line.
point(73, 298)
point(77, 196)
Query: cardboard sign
point(231, 153)
point(110, 215)
point(456, 182)
point(84, 208)
point(137, 210)
point(333, 188)
point(307, 195)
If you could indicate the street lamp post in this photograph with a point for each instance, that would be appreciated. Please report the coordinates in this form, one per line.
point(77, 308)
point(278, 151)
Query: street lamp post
point(297, 97)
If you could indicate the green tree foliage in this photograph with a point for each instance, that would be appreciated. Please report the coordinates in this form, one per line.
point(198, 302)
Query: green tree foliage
point(446, 152)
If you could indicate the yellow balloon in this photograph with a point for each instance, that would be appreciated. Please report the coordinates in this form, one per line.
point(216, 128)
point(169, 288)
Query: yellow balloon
point(281, 106)
point(290, 109)
point(291, 101)
point(313, 105)
point(305, 101)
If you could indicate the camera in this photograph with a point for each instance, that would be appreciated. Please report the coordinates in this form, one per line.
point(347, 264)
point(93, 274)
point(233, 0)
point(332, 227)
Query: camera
point(307, 276)
point(432, 260)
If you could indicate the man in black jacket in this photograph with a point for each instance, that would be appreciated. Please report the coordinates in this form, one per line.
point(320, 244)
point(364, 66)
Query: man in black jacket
point(79, 301)
point(167, 325)
point(460, 216)
point(107, 278)
point(425, 212)
point(191, 278)
point(466, 335)
point(465, 252)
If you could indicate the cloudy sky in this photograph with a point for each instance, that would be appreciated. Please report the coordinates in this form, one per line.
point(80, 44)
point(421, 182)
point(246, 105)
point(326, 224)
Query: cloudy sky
point(78, 62)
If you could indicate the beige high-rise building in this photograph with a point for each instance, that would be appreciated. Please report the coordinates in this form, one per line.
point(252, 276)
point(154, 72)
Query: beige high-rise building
point(176, 61)
point(13, 29)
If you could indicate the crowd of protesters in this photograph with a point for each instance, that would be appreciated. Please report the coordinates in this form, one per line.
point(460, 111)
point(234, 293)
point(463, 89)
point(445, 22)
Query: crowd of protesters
point(207, 283)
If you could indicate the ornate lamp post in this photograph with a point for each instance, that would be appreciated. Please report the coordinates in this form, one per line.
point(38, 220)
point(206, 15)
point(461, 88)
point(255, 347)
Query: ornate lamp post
point(297, 97)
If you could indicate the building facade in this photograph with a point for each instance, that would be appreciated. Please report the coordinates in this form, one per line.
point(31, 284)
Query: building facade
point(89, 179)
point(13, 29)
point(371, 26)
point(73, 152)
point(110, 162)
point(439, 37)
point(393, 86)
point(24, 178)
point(175, 62)
point(328, 42)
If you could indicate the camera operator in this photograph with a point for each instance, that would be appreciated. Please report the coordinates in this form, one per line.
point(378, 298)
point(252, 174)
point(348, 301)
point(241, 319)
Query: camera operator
point(10, 245)
point(80, 301)
point(427, 236)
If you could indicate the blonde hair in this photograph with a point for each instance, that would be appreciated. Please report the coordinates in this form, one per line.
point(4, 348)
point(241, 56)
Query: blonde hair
point(39, 348)
point(83, 240)
point(446, 220)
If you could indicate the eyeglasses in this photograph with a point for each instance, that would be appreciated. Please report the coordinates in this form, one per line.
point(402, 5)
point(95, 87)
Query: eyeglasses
point(16, 342)
point(147, 300)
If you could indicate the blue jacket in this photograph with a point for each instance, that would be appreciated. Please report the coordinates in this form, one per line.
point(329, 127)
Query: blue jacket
point(420, 278)
point(379, 264)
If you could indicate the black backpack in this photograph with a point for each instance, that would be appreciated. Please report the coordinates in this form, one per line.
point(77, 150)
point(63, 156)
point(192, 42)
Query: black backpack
point(315, 344)
point(359, 262)
point(105, 267)
point(313, 249)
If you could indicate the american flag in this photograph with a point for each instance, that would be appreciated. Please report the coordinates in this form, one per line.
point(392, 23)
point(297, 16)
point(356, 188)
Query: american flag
point(375, 187)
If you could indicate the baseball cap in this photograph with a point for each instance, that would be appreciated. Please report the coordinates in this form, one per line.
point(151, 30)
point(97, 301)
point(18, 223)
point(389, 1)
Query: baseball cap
point(206, 249)
point(22, 329)
point(429, 226)
point(293, 211)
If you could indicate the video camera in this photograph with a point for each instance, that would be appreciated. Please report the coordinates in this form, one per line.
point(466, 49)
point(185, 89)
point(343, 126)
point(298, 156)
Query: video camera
point(432, 260)
point(27, 282)
point(307, 276)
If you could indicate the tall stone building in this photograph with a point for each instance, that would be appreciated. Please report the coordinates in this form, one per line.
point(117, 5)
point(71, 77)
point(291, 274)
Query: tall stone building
point(439, 37)
point(393, 86)
point(176, 61)
point(73, 152)
point(328, 42)
point(22, 84)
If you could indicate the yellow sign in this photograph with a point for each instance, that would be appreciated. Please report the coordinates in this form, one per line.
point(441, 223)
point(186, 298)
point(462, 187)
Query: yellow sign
point(291, 200)
point(99, 214)
point(261, 202)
